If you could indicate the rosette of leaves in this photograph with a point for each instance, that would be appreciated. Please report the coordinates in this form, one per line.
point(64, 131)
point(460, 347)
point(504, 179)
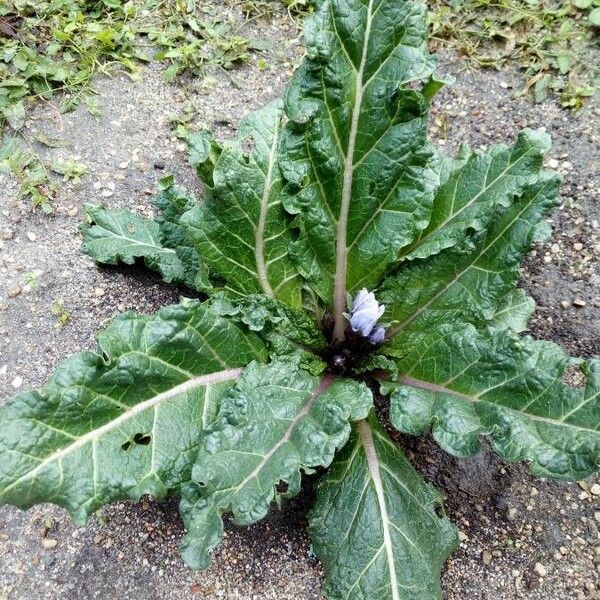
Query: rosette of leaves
point(229, 400)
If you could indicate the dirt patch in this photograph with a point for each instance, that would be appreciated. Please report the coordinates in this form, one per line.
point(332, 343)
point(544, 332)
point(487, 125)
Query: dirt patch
point(521, 537)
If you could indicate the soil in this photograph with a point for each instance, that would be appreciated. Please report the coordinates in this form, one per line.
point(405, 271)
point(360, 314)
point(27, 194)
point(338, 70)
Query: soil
point(520, 537)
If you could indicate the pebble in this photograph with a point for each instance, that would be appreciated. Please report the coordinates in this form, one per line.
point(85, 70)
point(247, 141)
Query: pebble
point(595, 489)
point(487, 557)
point(553, 163)
point(49, 543)
point(107, 193)
point(579, 302)
point(540, 569)
point(512, 514)
point(14, 291)
point(123, 165)
point(99, 292)
point(31, 236)
point(17, 382)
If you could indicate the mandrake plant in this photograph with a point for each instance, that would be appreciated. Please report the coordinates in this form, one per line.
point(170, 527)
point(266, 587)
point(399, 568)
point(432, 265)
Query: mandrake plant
point(338, 254)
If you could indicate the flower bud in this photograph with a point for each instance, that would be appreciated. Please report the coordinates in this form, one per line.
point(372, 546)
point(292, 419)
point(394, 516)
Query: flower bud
point(365, 313)
point(377, 336)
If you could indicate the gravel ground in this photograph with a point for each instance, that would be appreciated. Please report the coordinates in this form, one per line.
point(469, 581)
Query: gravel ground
point(521, 538)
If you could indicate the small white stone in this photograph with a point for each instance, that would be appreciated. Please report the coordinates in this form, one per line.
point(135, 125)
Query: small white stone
point(31, 236)
point(595, 489)
point(106, 193)
point(553, 163)
point(540, 569)
point(98, 292)
point(17, 382)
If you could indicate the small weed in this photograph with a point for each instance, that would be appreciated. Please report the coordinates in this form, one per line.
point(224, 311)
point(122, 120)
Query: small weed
point(63, 316)
point(192, 38)
point(31, 278)
point(71, 170)
point(551, 42)
point(297, 9)
point(30, 173)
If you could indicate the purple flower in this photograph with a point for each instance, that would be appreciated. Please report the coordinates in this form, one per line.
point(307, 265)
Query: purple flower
point(377, 335)
point(364, 314)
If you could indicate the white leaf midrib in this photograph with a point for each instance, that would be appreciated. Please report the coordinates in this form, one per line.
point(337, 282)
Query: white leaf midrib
point(440, 389)
point(339, 295)
point(366, 437)
point(259, 247)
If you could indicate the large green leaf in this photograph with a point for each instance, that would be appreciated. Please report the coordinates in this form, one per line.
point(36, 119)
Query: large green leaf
point(464, 384)
point(466, 202)
point(125, 420)
point(454, 287)
point(242, 231)
point(277, 421)
point(360, 174)
point(375, 526)
point(119, 235)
